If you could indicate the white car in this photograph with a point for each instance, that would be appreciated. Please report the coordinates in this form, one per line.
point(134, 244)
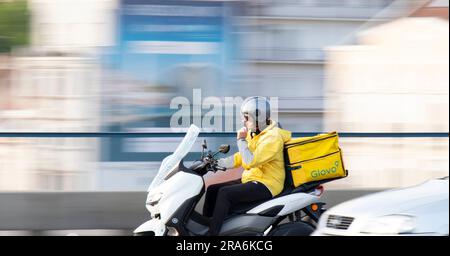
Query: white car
point(419, 210)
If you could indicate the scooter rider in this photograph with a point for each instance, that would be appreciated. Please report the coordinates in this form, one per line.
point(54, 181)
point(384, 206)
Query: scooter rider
point(260, 144)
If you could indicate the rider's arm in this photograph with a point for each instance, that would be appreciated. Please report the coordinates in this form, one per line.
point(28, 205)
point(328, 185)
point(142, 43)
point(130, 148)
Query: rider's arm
point(227, 162)
point(246, 154)
point(233, 161)
point(266, 149)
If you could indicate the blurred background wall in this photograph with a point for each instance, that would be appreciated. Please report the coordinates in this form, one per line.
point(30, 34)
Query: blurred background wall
point(394, 80)
point(110, 65)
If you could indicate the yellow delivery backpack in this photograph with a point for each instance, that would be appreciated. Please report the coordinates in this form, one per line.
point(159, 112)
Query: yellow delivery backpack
point(314, 160)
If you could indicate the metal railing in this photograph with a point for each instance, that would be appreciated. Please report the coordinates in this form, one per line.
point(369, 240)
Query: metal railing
point(212, 134)
point(116, 153)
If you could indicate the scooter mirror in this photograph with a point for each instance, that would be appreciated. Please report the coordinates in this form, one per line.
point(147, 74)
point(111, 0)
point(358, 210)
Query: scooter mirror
point(204, 146)
point(224, 148)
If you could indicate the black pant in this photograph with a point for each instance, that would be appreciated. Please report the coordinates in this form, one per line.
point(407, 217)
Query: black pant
point(220, 198)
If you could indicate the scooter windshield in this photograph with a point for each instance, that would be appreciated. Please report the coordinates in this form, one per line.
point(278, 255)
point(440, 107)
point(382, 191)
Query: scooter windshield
point(171, 161)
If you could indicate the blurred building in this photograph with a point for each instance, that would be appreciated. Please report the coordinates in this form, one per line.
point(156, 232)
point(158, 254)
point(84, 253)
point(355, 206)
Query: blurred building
point(73, 26)
point(50, 94)
point(53, 85)
point(5, 83)
point(283, 53)
point(61, 84)
point(395, 80)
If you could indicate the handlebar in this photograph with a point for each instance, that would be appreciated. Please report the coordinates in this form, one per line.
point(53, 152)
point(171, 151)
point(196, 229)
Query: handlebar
point(211, 164)
point(220, 168)
point(208, 162)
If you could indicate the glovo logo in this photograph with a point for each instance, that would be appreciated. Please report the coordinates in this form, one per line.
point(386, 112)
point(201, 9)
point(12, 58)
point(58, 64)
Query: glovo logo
point(315, 174)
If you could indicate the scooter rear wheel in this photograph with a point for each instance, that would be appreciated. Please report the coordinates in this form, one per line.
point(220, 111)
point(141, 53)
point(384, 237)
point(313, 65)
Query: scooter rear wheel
point(299, 228)
point(149, 233)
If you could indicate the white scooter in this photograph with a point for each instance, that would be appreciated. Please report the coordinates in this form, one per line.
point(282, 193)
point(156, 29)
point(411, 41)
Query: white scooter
point(176, 190)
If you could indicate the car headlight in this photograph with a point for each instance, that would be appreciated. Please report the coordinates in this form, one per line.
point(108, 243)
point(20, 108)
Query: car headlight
point(390, 224)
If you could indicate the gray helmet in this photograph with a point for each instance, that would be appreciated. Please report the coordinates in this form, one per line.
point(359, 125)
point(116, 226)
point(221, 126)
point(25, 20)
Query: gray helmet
point(258, 109)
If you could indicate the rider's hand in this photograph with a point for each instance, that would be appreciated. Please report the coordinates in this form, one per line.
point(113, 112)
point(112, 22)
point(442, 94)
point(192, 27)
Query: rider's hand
point(242, 133)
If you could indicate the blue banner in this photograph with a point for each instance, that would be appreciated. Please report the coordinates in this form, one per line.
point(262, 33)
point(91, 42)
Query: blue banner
point(155, 37)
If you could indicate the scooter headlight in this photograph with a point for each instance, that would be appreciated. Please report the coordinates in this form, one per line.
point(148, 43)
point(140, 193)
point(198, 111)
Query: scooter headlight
point(153, 199)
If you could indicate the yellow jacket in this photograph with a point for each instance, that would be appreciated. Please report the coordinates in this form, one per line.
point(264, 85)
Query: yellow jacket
point(267, 166)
